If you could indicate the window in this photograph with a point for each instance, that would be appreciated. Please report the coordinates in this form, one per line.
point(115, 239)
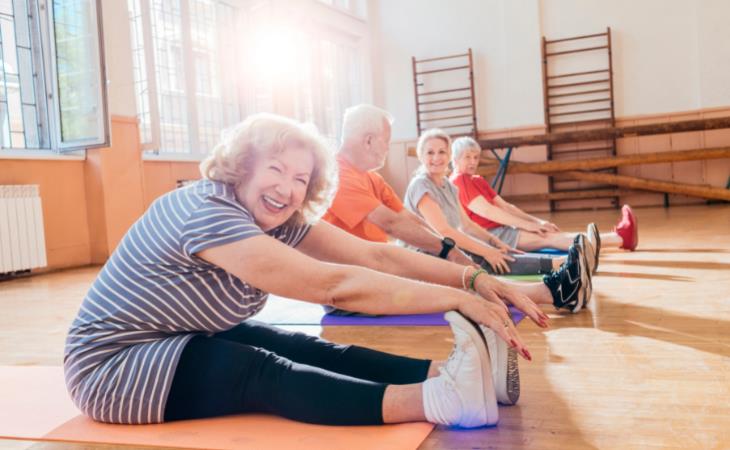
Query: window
point(184, 82)
point(332, 85)
point(354, 7)
point(309, 65)
point(52, 90)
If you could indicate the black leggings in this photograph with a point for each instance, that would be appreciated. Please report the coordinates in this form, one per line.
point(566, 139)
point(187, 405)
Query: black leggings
point(255, 367)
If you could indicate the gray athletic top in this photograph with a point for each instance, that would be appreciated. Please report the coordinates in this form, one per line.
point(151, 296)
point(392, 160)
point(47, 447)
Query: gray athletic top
point(153, 295)
point(446, 196)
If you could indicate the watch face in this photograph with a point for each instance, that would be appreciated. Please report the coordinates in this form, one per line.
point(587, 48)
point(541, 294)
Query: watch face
point(449, 242)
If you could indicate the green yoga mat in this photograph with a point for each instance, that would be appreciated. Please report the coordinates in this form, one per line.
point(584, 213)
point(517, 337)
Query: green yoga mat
point(522, 277)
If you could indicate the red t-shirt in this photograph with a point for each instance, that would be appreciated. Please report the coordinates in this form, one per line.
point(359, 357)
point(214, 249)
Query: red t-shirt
point(358, 194)
point(471, 187)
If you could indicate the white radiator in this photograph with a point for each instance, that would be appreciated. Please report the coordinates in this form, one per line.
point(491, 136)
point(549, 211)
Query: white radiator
point(22, 242)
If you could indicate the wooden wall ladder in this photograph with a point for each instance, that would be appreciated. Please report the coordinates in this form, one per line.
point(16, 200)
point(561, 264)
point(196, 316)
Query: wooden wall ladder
point(578, 95)
point(444, 94)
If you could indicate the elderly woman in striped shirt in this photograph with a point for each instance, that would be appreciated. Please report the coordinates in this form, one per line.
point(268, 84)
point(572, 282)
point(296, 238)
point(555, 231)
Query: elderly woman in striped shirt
point(164, 332)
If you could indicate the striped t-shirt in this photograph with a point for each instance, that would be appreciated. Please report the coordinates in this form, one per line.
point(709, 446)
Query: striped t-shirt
point(153, 295)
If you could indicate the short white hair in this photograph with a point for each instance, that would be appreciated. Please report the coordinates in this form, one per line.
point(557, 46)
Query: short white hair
point(363, 119)
point(462, 145)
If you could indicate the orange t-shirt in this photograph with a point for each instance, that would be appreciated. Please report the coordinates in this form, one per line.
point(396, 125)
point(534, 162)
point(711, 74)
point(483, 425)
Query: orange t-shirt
point(358, 194)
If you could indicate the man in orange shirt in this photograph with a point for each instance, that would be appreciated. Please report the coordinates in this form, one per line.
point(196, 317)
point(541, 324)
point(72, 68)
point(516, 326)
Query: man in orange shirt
point(365, 205)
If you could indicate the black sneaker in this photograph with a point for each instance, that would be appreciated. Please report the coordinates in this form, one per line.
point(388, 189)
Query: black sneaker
point(568, 285)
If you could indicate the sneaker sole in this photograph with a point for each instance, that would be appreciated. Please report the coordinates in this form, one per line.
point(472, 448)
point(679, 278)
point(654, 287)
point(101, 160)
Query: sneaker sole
point(505, 370)
point(586, 288)
point(590, 250)
point(593, 231)
point(489, 394)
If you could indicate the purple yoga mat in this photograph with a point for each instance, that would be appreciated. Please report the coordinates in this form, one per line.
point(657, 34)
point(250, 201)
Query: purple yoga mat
point(434, 319)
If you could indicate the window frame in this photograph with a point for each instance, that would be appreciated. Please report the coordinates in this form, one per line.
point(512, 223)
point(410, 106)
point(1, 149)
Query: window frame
point(55, 115)
point(43, 51)
point(151, 149)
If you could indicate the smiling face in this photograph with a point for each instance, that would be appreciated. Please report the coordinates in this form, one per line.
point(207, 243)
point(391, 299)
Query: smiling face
point(277, 186)
point(435, 157)
point(468, 162)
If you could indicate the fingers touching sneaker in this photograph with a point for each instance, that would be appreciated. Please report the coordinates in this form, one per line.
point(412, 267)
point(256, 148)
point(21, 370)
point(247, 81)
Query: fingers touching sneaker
point(497, 319)
point(523, 303)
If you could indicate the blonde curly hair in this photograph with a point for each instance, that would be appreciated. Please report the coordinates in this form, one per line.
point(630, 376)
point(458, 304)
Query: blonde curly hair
point(233, 159)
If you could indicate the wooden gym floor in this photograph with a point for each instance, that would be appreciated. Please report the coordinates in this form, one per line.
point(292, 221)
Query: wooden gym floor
point(647, 366)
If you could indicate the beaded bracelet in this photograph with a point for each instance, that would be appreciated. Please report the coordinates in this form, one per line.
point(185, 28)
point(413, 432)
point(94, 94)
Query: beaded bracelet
point(474, 278)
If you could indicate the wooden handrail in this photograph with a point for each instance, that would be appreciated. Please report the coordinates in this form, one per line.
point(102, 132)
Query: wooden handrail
point(608, 133)
point(555, 166)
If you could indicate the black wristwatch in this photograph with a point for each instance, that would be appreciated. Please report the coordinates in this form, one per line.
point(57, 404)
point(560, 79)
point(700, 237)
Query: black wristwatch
point(446, 245)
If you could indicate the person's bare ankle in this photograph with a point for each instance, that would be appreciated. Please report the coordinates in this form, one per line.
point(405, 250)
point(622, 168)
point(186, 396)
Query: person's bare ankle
point(433, 369)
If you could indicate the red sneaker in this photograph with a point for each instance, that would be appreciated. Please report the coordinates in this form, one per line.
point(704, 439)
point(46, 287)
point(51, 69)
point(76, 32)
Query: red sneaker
point(628, 229)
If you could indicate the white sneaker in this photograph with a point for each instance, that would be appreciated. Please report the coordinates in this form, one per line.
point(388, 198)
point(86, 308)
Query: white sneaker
point(463, 394)
point(505, 368)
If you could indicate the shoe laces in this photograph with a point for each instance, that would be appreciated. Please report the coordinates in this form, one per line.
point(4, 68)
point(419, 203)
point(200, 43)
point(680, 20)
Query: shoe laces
point(447, 377)
point(557, 275)
point(448, 370)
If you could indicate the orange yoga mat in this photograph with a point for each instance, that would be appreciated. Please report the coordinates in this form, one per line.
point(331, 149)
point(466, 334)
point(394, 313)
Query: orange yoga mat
point(34, 405)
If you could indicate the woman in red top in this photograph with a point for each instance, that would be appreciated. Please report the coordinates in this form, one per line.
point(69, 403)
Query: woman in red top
point(512, 225)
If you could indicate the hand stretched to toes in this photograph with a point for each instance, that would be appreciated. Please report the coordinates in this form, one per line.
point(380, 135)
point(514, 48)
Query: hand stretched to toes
point(498, 320)
point(496, 291)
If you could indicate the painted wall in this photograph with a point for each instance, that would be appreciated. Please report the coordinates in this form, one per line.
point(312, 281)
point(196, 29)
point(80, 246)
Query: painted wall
point(669, 55)
point(62, 191)
point(89, 204)
point(671, 61)
point(504, 39)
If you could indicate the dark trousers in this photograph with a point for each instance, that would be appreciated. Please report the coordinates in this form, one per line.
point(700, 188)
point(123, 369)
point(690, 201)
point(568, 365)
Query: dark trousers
point(255, 367)
point(527, 264)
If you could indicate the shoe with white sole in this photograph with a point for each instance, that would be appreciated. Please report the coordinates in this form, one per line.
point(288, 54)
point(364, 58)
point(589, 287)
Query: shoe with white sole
point(570, 283)
point(589, 251)
point(586, 253)
point(505, 368)
point(463, 394)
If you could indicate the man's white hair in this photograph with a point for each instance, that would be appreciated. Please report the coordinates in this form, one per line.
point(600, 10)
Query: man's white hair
point(363, 119)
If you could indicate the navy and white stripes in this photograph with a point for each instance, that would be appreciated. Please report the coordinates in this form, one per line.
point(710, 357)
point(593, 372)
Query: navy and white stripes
point(153, 295)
